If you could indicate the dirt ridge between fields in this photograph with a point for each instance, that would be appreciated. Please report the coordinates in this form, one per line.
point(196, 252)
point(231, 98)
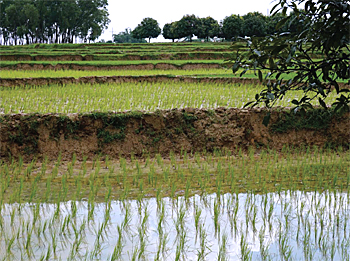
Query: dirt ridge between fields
point(162, 131)
point(87, 67)
point(42, 81)
point(118, 57)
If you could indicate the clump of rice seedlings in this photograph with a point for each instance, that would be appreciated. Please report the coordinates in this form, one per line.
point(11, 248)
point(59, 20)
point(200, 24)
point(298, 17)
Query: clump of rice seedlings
point(85, 211)
point(80, 98)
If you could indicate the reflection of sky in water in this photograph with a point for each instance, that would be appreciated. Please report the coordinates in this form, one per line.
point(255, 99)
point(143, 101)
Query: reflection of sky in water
point(300, 219)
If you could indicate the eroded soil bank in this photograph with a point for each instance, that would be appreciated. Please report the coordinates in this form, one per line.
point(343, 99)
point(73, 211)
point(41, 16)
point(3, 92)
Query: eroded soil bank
point(13, 82)
point(174, 130)
point(118, 57)
point(87, 67)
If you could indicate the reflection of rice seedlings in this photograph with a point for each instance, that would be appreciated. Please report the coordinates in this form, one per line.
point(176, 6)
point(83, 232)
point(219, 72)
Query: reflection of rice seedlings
point(246, 253)
point(264, 254)
point(202, 252)
point(143, 232)
point(180, 247)
point(222, 255)
point(284, 247)
point(216, 216)
point(119, 247)
point(197, 216)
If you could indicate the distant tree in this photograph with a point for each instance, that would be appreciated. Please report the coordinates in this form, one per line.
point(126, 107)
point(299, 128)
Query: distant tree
point(52, 21)
point(207, 28)
point(170, 31)
point(93, 18)
point(232, 27)
point(254, 24)
point(149, 28)
point(187, 26)
point(126, 37)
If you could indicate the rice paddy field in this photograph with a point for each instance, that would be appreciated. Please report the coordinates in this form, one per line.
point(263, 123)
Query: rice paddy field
point(243, 204)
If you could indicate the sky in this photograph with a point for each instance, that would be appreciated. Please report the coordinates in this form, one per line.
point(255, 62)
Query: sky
point(129, 13)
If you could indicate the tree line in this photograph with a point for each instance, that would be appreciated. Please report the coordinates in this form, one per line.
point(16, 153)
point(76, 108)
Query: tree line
point(251, 24)
point(54, 21)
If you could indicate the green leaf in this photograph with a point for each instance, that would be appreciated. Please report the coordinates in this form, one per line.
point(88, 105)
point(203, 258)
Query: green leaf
point(322, 103)
point(281, 23)
point(235, 66)
point(260, 76)
point(271, 63)
point(278, 49)
point(270, 96)
point(247, 104)
point(296, 102)
point(266, 119)
point(242, 73)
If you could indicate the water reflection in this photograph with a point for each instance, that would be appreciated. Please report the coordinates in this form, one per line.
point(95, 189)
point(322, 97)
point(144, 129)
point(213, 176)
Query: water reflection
point(290, 225)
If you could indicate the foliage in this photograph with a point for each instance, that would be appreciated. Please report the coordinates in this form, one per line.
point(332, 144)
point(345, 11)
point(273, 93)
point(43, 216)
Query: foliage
point(326, 31)
point(126, 37)
point(149, 28)
point(187, 26)
point(317, 119)
point(170, 31)
point(232, 26)
point(208, 28)
point(36, 21)
point(254, 24)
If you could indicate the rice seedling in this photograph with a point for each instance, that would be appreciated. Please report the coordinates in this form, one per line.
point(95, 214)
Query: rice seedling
point(82, 98)
point(75, 216)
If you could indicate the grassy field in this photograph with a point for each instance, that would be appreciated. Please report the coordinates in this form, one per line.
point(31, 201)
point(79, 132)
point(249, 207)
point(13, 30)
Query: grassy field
point(255, 204)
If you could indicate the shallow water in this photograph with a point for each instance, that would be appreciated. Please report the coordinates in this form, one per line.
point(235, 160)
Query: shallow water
point(294, 224)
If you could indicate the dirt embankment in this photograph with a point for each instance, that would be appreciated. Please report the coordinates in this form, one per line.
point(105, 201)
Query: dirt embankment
point(159, 132)
point(13, 82)
point(84, 67)
point(118, 57)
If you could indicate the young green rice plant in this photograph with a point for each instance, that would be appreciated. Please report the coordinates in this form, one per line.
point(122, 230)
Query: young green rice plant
point(216, 216)
point(203, 250)
point(222, 255)
point(128, 96)
point(197, 218)
point(246, 253)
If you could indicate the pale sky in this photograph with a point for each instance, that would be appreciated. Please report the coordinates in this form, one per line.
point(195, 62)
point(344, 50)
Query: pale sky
point(129, 13)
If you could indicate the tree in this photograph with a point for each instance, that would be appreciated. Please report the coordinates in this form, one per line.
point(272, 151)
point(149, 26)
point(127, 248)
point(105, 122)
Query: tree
point(232, 26)
point(207, 28)
point(52, 21)
point(254, 24)
point(149, 28)
point(170, 31)
point(187, 26)
point(327, 34)
point(126, 37)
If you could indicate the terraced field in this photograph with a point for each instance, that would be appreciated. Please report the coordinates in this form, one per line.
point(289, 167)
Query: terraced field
point(143, 152)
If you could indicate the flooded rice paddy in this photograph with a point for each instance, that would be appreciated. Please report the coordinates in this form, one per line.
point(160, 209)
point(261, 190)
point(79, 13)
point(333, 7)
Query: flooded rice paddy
point(260, 205)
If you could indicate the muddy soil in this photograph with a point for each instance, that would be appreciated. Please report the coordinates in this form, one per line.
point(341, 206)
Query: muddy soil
point(163, 131)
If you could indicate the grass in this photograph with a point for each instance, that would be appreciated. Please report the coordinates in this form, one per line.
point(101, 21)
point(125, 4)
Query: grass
point(292, 204)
